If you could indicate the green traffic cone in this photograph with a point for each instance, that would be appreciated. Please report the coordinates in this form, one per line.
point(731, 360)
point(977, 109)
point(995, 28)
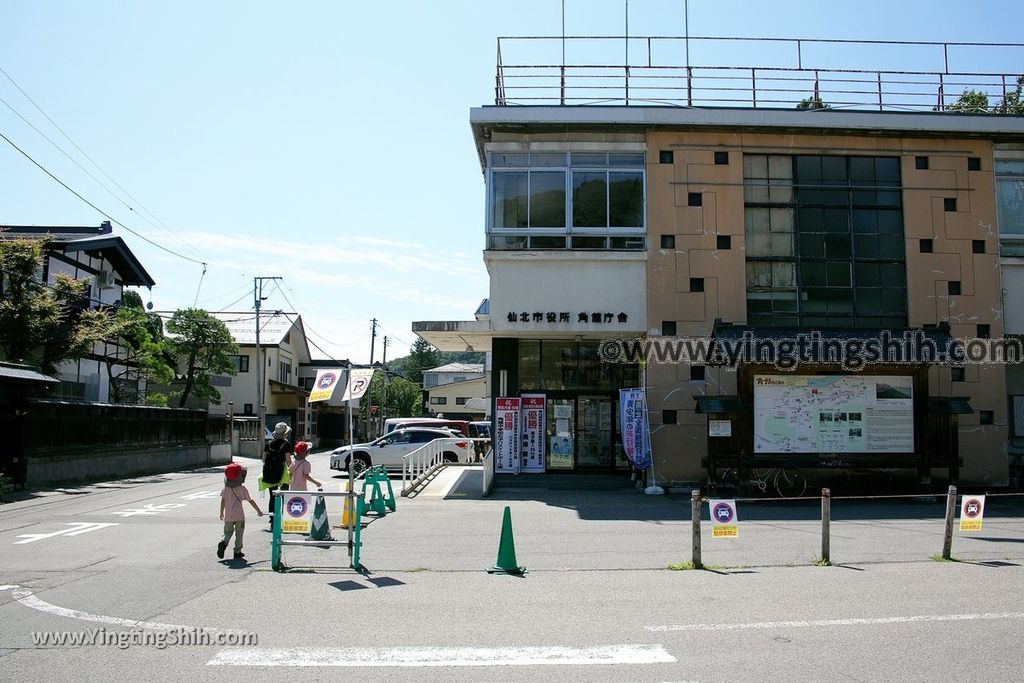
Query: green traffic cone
point(320, 529)
point(506, 562)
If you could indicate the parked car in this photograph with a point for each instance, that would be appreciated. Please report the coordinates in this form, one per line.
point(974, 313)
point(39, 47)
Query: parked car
point(389, 449)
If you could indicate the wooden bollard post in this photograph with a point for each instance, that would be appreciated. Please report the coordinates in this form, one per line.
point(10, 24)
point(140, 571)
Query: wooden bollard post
point(826, 522)
point(695, 517)
point(947, 540)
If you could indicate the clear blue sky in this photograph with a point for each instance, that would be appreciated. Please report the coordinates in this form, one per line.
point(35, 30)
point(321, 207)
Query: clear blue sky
point(329, 142)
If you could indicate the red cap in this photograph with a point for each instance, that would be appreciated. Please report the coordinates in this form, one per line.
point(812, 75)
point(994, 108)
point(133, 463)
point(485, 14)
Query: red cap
point(301, 447)
point(233, 471)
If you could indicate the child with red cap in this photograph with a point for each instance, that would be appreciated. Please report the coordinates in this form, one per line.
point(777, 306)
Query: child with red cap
point(232, 513)
point(300, 468)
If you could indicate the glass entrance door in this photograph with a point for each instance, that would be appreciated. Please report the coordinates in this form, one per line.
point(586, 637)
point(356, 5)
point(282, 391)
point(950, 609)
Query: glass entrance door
point(561, 432)
point(594, 432)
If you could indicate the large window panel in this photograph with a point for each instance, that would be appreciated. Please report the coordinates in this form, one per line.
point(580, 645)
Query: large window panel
point(547, 199)
point(589, 200)
point(625, 200)
point(1010, 197)
point(511, 199)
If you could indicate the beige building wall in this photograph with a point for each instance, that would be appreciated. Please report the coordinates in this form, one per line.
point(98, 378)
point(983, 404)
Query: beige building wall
point(679, 449)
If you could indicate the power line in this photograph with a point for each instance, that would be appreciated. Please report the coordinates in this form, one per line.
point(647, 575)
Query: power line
point(310, 329)
point(93, 162)
point(98, 209)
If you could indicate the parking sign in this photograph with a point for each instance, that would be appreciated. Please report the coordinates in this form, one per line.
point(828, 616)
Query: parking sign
point(972, 510)
point(724, 519)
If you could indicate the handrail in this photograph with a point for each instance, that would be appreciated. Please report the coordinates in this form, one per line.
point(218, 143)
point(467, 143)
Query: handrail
point(661, 78)
point(488, 466)
point(428, 458)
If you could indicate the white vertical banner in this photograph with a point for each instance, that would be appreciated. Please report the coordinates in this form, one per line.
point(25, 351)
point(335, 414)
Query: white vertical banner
point(506, 435)
point(636, 438)
point(533, 432)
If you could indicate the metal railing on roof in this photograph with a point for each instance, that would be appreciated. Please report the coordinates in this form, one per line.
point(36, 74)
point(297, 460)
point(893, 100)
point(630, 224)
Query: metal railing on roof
point(648, 75)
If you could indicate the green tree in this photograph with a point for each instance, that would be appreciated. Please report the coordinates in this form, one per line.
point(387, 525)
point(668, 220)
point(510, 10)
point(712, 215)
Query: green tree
point(814, 102)
point(422, 356)
point(977, 102)
point(204, 347)
point(397, 396)
point(43, 324)
point(140, 337)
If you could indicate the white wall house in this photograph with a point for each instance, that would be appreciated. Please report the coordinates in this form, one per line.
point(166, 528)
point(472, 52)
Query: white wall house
point(104, 261)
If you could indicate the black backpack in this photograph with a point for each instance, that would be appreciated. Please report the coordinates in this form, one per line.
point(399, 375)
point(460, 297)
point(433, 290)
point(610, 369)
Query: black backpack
point(273, 464)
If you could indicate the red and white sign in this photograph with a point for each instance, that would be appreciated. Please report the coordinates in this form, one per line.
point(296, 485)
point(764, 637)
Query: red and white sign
point(533, 433)
point(506, 435)
point(358, 383)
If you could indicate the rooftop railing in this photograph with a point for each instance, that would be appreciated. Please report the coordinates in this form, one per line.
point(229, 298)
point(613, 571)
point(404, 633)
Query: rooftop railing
point(804, 73)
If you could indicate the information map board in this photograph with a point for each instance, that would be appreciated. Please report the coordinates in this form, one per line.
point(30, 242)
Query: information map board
point(833, 414)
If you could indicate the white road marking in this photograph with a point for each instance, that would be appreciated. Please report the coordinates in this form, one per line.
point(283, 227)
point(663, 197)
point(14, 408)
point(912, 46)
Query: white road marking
point(444, 656)
point(149, 509)
point(4, 588)
point(77, 529)
point(201, 494)
point(26, 598)
point(869, 621)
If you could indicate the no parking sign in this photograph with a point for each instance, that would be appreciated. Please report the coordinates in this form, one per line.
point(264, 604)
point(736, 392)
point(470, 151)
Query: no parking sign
point(724, 519)
point(972, 510)
point(295, 513)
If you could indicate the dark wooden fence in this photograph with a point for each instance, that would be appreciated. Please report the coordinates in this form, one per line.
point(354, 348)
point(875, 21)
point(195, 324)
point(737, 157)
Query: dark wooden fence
point(66, 427)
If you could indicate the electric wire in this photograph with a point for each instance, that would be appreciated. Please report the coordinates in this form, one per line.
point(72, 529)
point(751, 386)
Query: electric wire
point(98, 209)
point(95, 164)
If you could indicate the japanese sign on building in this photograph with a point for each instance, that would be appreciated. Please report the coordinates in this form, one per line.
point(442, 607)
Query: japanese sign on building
point(533, 433)
point(506, 435)
point(596, 317)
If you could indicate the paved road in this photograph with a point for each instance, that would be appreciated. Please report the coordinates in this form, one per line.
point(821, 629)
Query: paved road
point(597, 603)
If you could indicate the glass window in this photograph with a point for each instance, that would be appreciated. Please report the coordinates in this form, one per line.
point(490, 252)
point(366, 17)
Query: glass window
point(558, 364)
point(1010, 197)
point(547, 199)
point(529, 364)
point(625, 200)
point(589, 200)
point(509, 190)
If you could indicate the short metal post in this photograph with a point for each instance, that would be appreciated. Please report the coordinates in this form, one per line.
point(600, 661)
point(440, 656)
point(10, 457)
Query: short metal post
point(276, 502)
point(695, 516)
point(826, 522)
point(947, 541)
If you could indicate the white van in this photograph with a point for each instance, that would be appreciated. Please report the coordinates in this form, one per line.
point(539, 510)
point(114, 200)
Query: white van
point(392, 423)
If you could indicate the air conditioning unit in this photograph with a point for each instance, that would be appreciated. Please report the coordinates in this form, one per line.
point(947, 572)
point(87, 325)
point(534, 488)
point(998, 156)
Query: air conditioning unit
point(105, 279)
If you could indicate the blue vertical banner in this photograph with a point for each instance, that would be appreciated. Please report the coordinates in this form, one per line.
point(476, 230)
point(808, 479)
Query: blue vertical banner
point(636, 437)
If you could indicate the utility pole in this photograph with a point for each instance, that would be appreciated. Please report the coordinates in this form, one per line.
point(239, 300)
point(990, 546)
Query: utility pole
point(369, 397)
point(387, 379)
point(257, 294)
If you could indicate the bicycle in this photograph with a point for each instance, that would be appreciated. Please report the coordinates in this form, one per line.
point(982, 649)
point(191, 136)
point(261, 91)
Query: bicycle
point(787, 482)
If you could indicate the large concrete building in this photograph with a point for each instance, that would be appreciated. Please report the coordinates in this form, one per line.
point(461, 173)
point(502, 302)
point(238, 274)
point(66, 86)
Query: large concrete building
point(870, 220)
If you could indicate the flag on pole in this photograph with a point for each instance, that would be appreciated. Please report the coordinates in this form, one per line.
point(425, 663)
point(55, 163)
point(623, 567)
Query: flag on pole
point(358, 383)
point(323, 386)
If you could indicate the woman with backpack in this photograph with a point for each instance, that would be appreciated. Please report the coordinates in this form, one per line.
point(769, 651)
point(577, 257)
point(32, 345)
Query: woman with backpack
point(277, 460)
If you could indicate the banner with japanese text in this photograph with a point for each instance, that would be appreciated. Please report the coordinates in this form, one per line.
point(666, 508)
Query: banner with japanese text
point(532, 438)
point(636, 437)
point(506, 435)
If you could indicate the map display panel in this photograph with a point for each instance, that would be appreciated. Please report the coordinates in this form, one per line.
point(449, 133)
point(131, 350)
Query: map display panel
point(833, 414)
